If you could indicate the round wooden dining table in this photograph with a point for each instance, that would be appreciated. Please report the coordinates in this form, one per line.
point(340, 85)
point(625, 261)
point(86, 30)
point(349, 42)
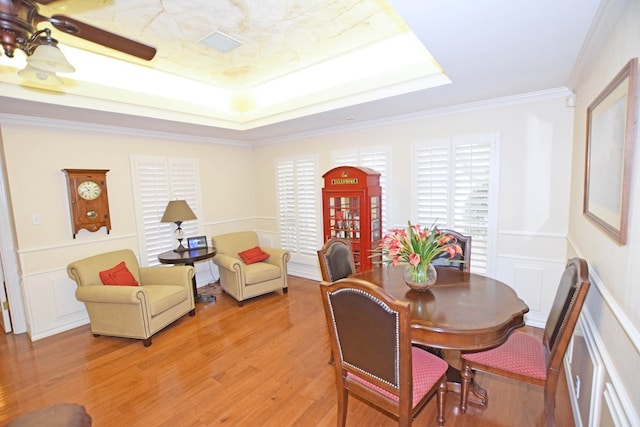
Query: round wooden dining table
point(462, 311)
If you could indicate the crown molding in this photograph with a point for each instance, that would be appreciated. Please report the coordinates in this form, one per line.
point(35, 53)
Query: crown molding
point(604, 23)
point(524, 98)
point(23, 120)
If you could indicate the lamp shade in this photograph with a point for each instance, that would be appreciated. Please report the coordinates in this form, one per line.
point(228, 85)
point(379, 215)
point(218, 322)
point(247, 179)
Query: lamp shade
point(40, 76)
point(178, 211)
point(50, 58)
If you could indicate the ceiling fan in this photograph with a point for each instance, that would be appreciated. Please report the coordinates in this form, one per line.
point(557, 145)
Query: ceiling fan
point(18, 30)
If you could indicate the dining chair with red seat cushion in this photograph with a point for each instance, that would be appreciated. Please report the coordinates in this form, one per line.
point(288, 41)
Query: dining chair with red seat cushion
point(370, 337)
point(336, 259)
point(536, 361)
point(464, 241)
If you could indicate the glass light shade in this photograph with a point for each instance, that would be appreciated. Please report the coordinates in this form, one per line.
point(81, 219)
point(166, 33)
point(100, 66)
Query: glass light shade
point(49, 58)
point(40, 76)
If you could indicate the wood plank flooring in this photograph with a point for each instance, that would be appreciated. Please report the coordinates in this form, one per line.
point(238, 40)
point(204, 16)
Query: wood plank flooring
point(263, 364)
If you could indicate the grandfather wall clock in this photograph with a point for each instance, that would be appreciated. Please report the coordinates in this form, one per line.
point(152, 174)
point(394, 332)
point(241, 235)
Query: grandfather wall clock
point(88, 199)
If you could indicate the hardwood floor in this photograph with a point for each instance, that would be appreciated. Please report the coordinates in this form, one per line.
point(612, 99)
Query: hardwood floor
point(263, 364)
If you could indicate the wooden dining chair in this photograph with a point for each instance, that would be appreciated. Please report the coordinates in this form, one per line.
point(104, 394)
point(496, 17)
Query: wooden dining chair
point(336, 259)
point(465, 244)
point(370, 336)
point(526, 358)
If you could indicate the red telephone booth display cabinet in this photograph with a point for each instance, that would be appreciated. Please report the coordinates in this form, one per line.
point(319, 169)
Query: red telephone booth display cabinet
point(351, 209)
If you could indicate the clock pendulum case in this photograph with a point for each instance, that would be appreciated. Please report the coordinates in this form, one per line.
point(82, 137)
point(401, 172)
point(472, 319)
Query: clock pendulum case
point(88, 199)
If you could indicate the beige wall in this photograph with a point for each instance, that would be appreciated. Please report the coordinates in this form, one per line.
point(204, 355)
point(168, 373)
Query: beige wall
point(541, 167)
point(36, 151)
point(534, 134)
point(612, 304)
point(35, 156)
point(534, 161)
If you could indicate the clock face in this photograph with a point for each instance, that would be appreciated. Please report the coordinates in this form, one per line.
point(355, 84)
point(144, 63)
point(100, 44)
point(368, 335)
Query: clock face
point(89, 190)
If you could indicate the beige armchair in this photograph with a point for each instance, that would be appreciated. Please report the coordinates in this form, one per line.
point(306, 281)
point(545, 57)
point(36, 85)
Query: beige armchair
point(164, 294)
point(243, 281)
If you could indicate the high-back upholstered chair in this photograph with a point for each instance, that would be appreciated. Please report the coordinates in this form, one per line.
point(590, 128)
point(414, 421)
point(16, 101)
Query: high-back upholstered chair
point(243, 281)
point(164, 294)
point(465, 245)
point(370, 336)
point(526, 358)
point(336, 259)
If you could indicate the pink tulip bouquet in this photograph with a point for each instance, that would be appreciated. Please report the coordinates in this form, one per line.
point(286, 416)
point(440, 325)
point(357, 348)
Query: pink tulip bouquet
point(416, 245)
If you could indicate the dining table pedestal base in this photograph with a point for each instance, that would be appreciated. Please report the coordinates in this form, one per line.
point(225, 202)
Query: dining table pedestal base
point(478, 395)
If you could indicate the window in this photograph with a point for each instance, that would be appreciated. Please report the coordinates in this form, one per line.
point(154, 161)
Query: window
point(156, 181)
point(453, 183)
point(377, 158)
point(298, 206)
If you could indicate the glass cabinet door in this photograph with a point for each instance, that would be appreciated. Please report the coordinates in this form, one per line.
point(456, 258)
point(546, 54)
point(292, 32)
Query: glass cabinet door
point(376, 220)
point(344, 217)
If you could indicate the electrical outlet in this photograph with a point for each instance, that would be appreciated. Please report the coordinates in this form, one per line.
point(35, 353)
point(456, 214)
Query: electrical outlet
point(577, 386)
point(35, 219)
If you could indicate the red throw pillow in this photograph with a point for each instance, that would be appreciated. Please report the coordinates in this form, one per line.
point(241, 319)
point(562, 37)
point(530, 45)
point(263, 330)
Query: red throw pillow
point(253, 255)
point(118, 275)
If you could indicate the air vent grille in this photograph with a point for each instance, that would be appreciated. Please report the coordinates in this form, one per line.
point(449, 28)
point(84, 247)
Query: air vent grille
point(220, 42)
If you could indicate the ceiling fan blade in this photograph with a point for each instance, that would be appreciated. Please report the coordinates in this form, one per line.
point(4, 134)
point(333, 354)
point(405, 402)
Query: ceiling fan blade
point(102, 37)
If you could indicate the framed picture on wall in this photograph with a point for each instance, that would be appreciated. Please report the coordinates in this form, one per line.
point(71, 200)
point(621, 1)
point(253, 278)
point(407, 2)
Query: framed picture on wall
point(611, 130)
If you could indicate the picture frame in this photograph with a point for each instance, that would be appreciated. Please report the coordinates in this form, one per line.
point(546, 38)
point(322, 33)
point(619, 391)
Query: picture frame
point(198, 242)
point(611, 131)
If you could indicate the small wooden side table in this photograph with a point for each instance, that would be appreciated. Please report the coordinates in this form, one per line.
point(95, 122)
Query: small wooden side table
point(189, 257)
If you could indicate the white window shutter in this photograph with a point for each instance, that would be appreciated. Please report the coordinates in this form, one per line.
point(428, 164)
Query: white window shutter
point(344, 158)
point(377, 158)
point(184, 176)
point(471, 198)
point(452, 184)
point(297, 188)
point(156, 181)
point(432, 183)
point(307, 212)
point(287, 204)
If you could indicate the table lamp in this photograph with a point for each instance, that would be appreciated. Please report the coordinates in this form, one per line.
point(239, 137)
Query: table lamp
point(178, 211)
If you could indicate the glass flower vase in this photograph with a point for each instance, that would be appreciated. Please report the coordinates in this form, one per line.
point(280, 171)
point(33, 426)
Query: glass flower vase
point(420, 277)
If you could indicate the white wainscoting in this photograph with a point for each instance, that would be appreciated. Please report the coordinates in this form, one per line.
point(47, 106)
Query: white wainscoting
point(300, 266)
point(534, 280)
point(601, 399)
point(597, 396)
point(51, 304)
point(532, 263)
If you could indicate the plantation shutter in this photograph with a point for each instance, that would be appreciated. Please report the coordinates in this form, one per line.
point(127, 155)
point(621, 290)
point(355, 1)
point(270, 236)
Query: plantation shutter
point(297, 181)
point(452, 187)
point(287, 205)
point(157, 180)
point(471, 198)
point(377, 158)
point(433, 183)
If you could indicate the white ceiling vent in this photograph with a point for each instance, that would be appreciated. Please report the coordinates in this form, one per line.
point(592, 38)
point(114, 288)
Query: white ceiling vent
point(220, 42)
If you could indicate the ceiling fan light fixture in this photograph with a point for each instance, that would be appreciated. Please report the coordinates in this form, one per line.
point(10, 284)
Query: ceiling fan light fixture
point(51, 59)
point(43, 77)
